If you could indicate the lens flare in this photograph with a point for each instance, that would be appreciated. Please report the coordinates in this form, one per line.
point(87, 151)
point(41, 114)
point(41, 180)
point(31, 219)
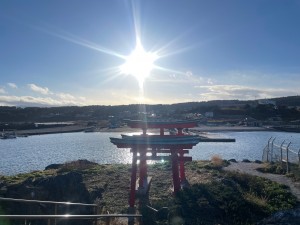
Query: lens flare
point(139, 63)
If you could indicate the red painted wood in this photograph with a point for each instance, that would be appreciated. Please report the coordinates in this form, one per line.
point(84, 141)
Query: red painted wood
point(179, 131)
point(133, 179)
point(162, 131)
point(163, 151)
point(167, 126)
point(143, 167)
point(176, 181)
point(181, 166)
point(144, 131)
point(159, 158)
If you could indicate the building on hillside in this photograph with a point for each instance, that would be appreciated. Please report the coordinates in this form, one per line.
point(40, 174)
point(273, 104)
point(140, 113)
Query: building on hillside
point(266, 102)
point(251, 122)
point(193, 116)
point(209, 114)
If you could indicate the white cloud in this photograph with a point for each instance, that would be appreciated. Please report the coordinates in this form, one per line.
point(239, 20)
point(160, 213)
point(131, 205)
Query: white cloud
point(189, 73)
point(40, 101)
point(28, 101)
point(12, 85)
point(68, 99)
point(46, 98)
point(66, 96)
point(82, 98)
point(209, 81)
point(214, 92)
point(41, 90)
point(177, 77)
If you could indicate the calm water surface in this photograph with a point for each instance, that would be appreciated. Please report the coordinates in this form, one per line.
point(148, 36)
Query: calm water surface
point(36, 152)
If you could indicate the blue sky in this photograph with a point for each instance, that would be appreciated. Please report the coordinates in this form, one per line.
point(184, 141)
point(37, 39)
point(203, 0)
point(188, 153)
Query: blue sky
point(59, 52)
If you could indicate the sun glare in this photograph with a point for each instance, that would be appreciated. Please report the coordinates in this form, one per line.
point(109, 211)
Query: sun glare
point(139, 63)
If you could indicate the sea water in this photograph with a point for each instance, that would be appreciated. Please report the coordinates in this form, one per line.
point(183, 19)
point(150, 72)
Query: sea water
point(26, 154)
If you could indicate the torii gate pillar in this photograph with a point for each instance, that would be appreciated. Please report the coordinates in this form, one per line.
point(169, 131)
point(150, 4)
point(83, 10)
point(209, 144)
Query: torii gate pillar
point(176, 180)
point(133, 178)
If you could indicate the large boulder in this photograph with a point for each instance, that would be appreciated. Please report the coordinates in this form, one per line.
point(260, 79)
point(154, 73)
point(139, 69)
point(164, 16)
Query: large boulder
point(287, 217)
point(67, 187)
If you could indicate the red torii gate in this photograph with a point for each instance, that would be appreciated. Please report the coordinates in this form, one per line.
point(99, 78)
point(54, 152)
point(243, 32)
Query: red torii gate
point(175, 145)
point(171, 144)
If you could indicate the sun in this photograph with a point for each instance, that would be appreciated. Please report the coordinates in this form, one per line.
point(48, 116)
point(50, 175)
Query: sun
point(139, 63)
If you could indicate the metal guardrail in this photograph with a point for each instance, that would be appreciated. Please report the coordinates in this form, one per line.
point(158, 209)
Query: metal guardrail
point(46, 202)
point(94, 218)
point(54, 217)
point(67, 216)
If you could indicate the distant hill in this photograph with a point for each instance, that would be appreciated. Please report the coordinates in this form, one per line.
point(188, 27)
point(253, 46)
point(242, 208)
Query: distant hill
point(135, 111)
point(288, 101)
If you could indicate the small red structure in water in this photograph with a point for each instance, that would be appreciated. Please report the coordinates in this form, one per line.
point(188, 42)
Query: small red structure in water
point(175, 146)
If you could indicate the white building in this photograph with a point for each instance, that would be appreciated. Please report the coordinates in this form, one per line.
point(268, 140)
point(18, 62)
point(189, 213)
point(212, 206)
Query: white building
point(267, 102)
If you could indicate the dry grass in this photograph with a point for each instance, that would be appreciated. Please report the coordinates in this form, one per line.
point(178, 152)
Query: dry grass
point(216, 160)
point(113, 221)
point(262, 201)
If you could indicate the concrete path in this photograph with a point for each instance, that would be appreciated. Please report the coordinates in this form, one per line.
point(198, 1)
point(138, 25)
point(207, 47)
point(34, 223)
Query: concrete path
point(250, 168)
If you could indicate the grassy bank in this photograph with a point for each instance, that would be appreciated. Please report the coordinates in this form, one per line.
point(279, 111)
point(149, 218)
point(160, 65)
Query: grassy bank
point(214, 196)
point(281, 168)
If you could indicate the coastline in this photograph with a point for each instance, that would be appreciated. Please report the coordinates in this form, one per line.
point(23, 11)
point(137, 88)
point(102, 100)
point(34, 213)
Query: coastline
point(204, 128)
point(81, 128)
point(52, 130)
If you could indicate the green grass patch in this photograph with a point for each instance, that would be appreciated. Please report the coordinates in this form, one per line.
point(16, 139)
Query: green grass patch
point(76, 166)
point(281, 168)
point(230, 198)
point(19, 178)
